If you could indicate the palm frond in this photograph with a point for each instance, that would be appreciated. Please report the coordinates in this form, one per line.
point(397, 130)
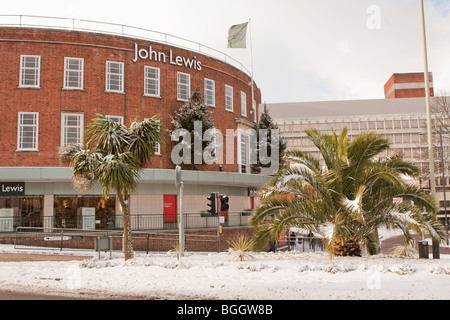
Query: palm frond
point(118, 172)
point(363, 149)
point(145, 135)
point(107, 135)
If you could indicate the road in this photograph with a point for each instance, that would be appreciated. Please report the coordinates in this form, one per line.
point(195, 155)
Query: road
point(9, 295)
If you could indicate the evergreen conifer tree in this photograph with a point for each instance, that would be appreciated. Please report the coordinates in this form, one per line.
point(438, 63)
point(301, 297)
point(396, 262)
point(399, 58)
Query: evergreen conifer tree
point(193, 110)
point(267, 123)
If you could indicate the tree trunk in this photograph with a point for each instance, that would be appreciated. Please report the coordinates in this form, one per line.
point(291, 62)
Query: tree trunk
point(374, 246)
point(127, 244)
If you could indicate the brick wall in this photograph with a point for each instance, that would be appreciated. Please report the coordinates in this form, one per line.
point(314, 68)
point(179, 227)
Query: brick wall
point(199, 240)
point(404, 85)
point(50, 99)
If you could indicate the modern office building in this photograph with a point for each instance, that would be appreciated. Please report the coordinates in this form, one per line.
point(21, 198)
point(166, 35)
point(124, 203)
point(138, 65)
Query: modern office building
point(54, 81)
point(401, 118)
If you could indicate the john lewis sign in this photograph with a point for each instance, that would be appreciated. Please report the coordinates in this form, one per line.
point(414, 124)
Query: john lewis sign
point(158, 56)
point(12, 189)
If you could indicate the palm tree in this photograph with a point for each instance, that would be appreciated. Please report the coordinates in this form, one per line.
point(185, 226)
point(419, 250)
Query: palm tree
point(348, 198)
point(114, 155)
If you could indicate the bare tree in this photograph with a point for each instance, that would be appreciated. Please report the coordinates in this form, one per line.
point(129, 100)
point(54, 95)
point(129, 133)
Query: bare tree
point(440, 109)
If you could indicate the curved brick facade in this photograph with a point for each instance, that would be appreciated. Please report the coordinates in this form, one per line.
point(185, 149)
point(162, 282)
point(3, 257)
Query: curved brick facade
point(34, 73)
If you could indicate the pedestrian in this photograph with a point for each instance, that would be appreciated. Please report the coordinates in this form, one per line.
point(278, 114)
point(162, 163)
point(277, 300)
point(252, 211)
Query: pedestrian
point(311, 240)
point(272, 246)
point(292, 240)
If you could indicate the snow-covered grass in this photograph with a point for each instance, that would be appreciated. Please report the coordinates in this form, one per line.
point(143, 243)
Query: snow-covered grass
point(273, 276)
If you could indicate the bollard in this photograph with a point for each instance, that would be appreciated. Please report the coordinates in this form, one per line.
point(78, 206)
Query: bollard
point(423, 249)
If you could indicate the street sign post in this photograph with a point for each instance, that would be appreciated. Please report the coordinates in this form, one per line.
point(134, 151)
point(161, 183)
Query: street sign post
point(179, 185)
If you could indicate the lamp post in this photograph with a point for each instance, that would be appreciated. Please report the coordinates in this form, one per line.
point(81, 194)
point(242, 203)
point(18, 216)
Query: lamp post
point(436, 254)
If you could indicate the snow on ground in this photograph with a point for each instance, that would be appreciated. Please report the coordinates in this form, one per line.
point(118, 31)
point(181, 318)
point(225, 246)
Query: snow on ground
point(271, 276)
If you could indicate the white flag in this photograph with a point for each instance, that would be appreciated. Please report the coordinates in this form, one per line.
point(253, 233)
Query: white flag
point(237, 36)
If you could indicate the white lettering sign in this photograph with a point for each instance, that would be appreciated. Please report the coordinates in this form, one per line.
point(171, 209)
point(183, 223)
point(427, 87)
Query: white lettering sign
point(152, 55)
point(12, 188)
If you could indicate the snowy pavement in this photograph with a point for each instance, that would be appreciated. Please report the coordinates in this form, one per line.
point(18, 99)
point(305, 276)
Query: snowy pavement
point(267, 276)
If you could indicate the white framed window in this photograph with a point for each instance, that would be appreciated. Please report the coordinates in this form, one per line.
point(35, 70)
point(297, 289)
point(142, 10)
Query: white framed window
point(183, 86)
point(116, 119)
point(30, 71)
point(243, 104)
point(152, 81)
point(243, 154)
point(72, 128)
point(228, 98)
point(73, 73)
point(156, 145)
point(210, 92)
point(114, 76)
point(28, 130)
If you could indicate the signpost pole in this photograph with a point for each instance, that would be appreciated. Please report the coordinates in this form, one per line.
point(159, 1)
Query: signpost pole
point(179, 184)
point(218, 220)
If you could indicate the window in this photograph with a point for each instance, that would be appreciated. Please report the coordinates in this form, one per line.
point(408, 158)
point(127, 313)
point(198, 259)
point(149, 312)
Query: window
point(228, 98)
point(116, 119)
point(30, 71)
point(363, 125)
point(27, 135)
point(243, 153)
point(243, 104)
point(398, 138)
point(184, 86)
point(210, 92)
point(73, 73)
point(151, 81)
point(114, 76)
point(26, 211)
point(71, 128)
point(85, 212)
point(156, 145)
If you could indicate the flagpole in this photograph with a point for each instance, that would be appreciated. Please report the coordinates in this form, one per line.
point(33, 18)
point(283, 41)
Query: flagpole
point(436, 253)
point(251, 62)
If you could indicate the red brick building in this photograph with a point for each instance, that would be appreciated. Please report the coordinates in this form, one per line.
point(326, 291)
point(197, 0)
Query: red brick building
point(53, 82)
point(407, 85)
point(52, 76)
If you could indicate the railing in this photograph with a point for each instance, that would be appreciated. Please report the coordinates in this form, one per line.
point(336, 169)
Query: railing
point(31, 21)
point(301, 243)
point(139, 222)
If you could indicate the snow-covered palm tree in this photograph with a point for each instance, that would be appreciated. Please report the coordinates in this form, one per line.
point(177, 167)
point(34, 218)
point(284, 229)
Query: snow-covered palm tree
point(348, 198)
point(113, 155)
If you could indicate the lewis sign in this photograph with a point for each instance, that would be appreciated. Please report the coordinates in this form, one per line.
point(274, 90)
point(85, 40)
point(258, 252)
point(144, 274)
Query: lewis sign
point(12, 189)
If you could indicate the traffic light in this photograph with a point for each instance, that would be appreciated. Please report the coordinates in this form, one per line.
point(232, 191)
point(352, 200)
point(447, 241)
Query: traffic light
point(212, 204)
point(224, 206)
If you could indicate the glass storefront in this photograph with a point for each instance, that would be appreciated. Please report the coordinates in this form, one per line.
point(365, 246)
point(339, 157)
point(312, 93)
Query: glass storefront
point(84, 212)
point(24, 211)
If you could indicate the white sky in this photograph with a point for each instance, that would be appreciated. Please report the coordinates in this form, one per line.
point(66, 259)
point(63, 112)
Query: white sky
point(303, 50)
